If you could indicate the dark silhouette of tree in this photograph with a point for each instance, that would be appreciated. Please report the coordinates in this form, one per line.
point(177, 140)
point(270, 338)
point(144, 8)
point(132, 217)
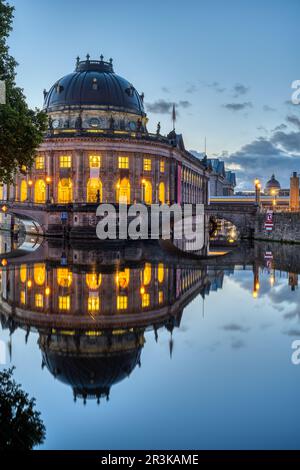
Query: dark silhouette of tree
point(21, 427)
point(21, 129)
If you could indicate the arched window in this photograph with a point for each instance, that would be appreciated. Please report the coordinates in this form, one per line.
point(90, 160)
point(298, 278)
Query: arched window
point(162, 193)
point(147, 274)
point(40, 192)
point(39, 274)
point(93, 281)
point(1, 191)
point(64, 277)
point(23, 273)
point(123, 191)
point(65, 191)
point(23, 191)
point(123, 278)
point(161, 273)
point(94, 188)
point(147, 192)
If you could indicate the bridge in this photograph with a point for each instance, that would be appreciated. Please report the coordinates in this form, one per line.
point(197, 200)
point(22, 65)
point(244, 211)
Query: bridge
point(46, 219)
point(240, 212)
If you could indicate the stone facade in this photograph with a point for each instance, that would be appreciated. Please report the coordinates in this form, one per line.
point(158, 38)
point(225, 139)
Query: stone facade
point(286, 227)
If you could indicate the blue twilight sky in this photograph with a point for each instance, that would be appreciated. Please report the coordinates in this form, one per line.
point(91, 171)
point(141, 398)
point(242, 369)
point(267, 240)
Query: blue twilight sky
point(228, 66)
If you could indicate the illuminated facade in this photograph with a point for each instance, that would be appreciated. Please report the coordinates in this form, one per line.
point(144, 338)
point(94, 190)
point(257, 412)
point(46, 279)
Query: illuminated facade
point(97, 149)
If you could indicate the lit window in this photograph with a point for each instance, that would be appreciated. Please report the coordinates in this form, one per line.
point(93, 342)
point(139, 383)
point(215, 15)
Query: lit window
point(95, 161)
point(64, 277)
point(161, 273)
point(24, 168)
point(23, 273)
point(39, 274)
point(64, 302)
point(122, 302)
point(162, 166)
point(160, 297)
point(145, 300)
point(93, 281)
point(94, 190)
point(147, 164)
point(123, 278)
point(124, 163)
point(23, 297)
point(65, 191)
point(40, 192)
point(147, 274)
point(23, 191)
point(93, 304)
point(65, 161)
point(40, 163)
point(162, 193)
point(39, 300)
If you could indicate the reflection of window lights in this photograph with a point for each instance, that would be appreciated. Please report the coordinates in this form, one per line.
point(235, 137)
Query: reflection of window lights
point(93, 304)
point(122, 302)
point(64, 277)
point(23, 273)
point(64, 302)
point(160, 297)
point(145, 300)
point(23, 297)
point(147, 274)
point(39, 300)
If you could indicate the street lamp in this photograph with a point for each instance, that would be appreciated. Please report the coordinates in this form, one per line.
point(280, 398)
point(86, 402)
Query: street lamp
point(257, 191)
point(30, 184)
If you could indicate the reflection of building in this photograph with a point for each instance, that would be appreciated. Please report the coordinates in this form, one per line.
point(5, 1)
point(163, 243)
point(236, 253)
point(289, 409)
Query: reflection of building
point(98, 149)
point(221, 182)
point(91, 321)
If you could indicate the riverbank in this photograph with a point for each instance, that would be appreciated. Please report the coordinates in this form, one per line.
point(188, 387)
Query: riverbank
point(286, 228)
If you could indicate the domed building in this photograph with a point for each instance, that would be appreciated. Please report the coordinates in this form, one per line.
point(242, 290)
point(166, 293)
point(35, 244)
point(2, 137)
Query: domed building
point(98, 149)
point(272, 187)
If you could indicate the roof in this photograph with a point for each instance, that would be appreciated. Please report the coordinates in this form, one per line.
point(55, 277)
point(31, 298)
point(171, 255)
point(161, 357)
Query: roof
point(94, 83)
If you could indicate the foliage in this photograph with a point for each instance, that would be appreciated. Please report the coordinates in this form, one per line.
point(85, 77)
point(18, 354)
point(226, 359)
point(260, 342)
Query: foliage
point(21, 427)
point(21, 129)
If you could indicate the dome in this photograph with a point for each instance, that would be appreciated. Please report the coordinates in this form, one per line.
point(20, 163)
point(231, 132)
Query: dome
point(273, 184)
point(94, 85)
point(91, 377)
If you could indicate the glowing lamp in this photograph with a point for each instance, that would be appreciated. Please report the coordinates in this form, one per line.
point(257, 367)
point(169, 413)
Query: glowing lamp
point(30, 183)
point(29, 284)
point(47, 291)
point(48, 180)
point(4, 262)
point(142, 291)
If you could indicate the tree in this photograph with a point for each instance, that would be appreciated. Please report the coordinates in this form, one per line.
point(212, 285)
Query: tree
point(21, 129)
point(21, 427)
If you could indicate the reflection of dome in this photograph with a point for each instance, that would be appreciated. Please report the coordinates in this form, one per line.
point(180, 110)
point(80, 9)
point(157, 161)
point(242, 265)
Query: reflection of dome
point(94, 84)
point(88, 364)
point(272, 184)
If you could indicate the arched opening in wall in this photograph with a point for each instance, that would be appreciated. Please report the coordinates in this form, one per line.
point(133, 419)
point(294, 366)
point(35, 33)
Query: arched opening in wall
point(40, 192)
point(162, 193)
point(1, 192)
point(147, 188)
point(222, 232)
point(123, 191)
point(23, 191)
point(39, 274)
point(94, 190)
point(65, 191)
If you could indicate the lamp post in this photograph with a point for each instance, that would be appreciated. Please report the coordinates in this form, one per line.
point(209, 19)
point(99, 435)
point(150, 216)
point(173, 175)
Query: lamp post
point(257, 191)
point(274, 194)
point(30, 184)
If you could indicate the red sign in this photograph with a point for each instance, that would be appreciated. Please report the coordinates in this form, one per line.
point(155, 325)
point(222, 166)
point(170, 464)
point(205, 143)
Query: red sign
point(269, 221)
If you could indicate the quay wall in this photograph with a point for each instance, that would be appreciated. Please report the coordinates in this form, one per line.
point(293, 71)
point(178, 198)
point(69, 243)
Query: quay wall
point(286, 227)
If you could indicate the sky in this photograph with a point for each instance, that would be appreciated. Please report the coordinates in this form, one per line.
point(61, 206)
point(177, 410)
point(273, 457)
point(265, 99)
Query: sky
point(228, 66)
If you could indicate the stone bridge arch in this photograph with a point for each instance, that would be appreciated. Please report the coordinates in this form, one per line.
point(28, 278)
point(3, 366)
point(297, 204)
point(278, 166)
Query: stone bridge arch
point(241, 215)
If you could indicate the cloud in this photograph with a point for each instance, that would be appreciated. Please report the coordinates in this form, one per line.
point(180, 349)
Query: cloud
point(165, 89)
point(235, 327)
point(215, 86)
point(238, 106)
point(288, 141)
point(237, 344)
point(280, 127)
point(191, 89)
point(165, 107)
point(268, 108)
point(239, 89)
point(292, 119)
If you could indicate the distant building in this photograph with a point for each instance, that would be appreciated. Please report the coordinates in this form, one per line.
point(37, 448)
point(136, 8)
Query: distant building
point(222, 182)
point(272, 187)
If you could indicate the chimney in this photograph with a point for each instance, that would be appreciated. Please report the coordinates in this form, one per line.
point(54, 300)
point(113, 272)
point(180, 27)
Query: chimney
point(294, 192)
